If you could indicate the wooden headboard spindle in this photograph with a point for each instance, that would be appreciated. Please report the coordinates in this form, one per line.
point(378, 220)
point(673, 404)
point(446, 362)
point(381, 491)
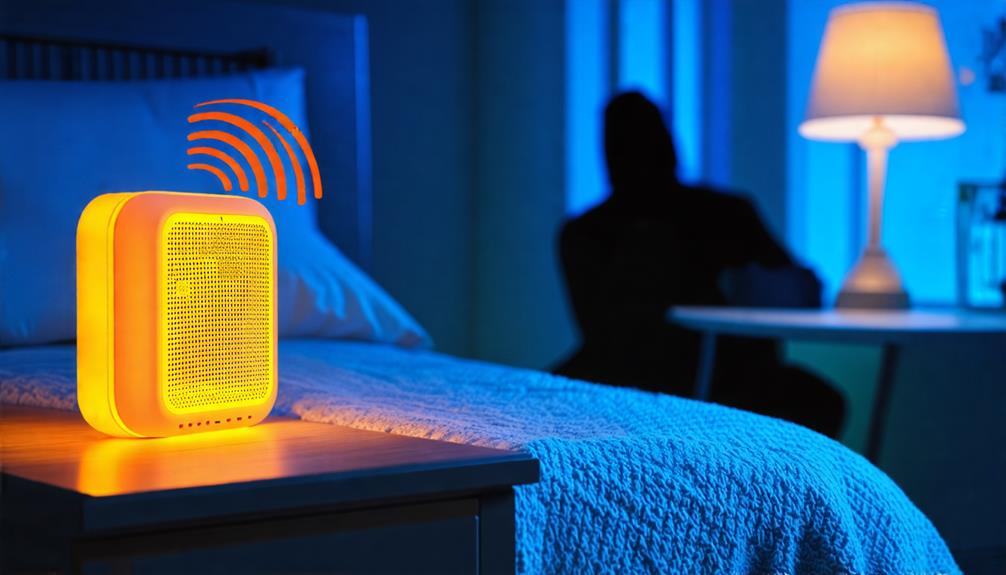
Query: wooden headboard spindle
point(27, 58)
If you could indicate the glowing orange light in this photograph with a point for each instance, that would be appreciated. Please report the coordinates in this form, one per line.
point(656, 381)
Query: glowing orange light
point(225, 158)
point(256, 133)
point(176, 324)
point(117, 466)
point(241, 147)
point(224, 180)
point(298, 173)
point(287, 124)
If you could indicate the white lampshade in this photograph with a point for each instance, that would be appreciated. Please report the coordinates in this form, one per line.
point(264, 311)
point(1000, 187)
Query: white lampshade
point(886, 61)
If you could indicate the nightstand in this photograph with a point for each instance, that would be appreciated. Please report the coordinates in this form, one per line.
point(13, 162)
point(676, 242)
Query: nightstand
point(283, 496)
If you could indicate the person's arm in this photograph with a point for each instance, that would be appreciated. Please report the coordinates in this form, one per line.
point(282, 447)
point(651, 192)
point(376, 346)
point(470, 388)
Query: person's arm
point(767, 276)
point(757, 242)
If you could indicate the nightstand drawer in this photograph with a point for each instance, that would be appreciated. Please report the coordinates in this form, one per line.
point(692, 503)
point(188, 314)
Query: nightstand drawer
point(439, 537)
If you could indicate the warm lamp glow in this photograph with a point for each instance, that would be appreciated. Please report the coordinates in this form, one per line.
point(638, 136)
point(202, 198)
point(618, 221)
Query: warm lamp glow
point(884, 60)
point(883, 75)
point(851, 128)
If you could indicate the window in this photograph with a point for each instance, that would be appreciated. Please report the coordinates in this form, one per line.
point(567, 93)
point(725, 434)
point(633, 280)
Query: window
point(635, 54)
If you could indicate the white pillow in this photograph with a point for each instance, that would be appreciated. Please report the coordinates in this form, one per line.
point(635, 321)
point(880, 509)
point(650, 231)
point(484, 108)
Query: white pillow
point(62, 143)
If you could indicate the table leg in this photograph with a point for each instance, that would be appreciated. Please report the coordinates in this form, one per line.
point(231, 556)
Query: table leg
point(881, 400)
point(707, 361)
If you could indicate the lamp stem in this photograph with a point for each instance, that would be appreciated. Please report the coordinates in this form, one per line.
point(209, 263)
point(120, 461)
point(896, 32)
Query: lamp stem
point(874, 281)
point(877, 142)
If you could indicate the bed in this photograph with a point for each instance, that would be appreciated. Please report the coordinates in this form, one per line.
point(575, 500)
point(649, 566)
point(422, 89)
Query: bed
point(630, 481)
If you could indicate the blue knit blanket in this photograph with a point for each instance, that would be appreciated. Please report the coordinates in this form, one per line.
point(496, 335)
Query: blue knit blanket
point(630, 481)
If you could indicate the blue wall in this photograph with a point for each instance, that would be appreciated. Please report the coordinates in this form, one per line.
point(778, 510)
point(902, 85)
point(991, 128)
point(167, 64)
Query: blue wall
point(422, 93)
point(520, 315)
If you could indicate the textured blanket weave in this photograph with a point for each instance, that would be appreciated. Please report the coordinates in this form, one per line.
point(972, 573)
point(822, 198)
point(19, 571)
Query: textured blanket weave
point(631, 481)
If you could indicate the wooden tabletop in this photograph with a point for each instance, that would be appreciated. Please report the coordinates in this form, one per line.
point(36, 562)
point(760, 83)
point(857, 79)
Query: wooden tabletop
point(859, 326)
point(280, 462)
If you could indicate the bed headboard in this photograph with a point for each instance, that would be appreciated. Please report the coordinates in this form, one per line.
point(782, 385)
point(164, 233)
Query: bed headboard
point(126, 40)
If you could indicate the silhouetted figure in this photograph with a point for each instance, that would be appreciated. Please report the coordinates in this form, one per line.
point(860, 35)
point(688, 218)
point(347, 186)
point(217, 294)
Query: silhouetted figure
point(657, 243)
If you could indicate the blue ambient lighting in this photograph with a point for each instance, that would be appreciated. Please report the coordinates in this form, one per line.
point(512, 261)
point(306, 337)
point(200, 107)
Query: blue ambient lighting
point(686, 83)
point(587, 81)
point(643, 48)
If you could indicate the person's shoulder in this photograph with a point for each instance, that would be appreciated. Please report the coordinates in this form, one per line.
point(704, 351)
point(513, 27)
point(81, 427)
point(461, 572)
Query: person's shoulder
point(717, 194)
point(589, 227)
point(594, 218)
point(722, 200)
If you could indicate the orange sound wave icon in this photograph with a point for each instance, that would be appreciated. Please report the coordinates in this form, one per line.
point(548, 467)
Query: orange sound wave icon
point(209, 141)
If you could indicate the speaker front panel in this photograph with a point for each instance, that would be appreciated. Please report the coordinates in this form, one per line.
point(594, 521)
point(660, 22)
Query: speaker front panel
point(216, 330)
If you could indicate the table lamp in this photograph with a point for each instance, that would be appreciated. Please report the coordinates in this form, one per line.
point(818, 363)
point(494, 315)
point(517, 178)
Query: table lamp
point(882, 76)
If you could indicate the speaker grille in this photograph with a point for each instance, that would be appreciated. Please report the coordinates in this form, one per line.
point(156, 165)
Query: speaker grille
point(217, 329)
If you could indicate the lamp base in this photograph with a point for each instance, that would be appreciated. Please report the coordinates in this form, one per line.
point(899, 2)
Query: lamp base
point(873, 283)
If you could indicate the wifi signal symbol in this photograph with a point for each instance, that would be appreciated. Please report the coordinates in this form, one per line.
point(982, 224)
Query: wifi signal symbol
point(208, 140)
